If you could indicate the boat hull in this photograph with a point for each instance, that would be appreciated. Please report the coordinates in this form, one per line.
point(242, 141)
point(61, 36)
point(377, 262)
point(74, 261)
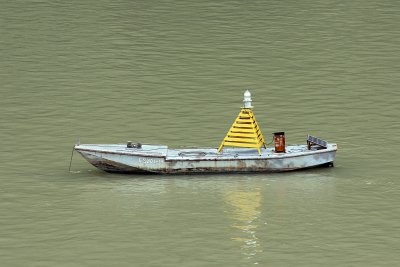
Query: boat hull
point(160, 159)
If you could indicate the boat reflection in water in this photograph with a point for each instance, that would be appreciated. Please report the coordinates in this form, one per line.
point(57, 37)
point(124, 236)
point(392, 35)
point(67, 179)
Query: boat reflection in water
point(245, 212)
point(291, 201)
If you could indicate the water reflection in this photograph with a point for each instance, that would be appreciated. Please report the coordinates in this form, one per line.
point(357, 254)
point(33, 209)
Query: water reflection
point(282, 200)
point(245, 211)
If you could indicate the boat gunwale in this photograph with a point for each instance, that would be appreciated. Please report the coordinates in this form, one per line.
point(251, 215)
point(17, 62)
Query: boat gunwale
point(333, 148)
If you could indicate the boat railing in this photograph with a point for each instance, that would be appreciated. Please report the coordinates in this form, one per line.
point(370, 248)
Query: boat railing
point(312, 140)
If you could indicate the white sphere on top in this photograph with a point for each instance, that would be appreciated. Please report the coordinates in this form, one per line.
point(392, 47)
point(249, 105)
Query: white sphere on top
point(247, 99)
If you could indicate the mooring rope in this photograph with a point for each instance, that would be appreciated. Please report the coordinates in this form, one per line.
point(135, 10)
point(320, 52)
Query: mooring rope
point(70, 162)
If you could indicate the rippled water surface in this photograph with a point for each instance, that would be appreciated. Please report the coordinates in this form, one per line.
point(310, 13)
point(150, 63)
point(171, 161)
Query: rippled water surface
point(173, 72)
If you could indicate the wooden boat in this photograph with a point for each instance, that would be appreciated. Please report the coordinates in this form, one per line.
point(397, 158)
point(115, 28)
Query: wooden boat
point(242, 150)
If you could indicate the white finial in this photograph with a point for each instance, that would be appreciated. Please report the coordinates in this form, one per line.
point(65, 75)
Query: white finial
point(247, 99)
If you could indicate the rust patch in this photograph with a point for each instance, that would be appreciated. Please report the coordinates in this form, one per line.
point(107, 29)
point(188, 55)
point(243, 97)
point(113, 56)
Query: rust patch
point(241, 164)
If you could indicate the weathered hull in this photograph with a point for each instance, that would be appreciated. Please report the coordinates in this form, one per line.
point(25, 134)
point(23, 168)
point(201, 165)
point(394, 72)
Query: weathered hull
point(160, 159)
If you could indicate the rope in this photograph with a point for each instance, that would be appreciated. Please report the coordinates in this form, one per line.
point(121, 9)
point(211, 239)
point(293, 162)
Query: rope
point(271, 141)
point(70, 162)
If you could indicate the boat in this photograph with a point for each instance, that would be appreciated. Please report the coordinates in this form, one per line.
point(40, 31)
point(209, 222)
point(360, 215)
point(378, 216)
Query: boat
point(242, 150)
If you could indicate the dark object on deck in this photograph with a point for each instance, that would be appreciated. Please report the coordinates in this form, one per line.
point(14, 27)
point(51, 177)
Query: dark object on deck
point(129, 144)
point(279, 140)
point(312, 140)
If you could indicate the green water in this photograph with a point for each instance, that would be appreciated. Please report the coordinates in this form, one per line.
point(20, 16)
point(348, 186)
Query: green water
point(174, 72)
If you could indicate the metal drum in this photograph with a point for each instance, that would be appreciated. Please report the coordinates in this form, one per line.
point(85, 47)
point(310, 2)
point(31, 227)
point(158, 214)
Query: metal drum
point(279, 140)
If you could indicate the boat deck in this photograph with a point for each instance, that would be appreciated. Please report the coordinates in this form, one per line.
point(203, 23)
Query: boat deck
point(233, 153)
point(186, 154)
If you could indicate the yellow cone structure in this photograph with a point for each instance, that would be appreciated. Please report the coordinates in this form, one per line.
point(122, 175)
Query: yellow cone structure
point(245, 131)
